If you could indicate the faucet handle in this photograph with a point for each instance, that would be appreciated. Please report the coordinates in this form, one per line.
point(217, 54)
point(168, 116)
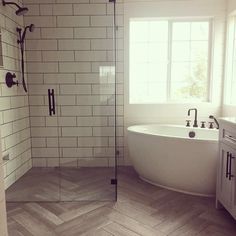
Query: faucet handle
point(211, 125)
point(188, 123)
point(203, 124)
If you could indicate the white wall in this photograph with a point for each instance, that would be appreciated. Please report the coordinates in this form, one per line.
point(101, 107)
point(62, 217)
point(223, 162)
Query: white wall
point(14, 109)
point(231, 6)
point(176, 113)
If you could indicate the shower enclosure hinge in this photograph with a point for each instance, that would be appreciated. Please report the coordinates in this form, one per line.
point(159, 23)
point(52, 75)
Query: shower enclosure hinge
point(114, 181)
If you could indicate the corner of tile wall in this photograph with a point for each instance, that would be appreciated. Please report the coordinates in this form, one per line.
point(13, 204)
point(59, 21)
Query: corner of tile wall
point(14, 105)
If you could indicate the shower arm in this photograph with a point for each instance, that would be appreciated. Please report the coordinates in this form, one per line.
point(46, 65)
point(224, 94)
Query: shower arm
point(11, 3)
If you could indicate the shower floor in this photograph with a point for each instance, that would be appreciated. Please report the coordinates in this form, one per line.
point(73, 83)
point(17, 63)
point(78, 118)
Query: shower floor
point(63, 184)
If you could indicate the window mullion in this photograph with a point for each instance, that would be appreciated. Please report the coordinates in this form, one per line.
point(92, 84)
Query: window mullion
point(169, 65)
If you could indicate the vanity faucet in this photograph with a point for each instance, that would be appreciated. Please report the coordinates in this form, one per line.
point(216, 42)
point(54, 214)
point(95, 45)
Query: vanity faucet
point(195, 119)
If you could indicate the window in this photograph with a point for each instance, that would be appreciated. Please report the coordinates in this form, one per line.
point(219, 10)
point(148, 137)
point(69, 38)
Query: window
point(169, 61)
point(230, 95)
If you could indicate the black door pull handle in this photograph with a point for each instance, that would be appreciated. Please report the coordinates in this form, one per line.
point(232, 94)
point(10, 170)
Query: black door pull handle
point(51, 102)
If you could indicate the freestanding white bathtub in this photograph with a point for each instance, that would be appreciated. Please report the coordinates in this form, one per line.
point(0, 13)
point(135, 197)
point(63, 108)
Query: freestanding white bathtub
point(165, 155)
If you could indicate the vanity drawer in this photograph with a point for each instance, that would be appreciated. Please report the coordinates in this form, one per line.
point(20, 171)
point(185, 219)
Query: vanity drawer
point(229, 138)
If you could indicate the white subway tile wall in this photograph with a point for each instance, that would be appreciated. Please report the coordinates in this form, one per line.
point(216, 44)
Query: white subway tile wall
point(14, 105)
point(72, 51)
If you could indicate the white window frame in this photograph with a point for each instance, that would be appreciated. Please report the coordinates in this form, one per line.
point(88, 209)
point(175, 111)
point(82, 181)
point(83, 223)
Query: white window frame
point(210, 55)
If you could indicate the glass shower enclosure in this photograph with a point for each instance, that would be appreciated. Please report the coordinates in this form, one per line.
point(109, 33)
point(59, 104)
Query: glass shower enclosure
point(74, 131)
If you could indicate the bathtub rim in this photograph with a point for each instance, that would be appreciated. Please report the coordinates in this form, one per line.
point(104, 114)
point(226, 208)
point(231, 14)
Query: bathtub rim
point(172, 137)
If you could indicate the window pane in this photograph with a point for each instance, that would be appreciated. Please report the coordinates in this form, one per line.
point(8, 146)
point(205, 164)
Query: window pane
point(199, 51)
point(194, 85)
point(157, 52)
point(152, 54)
point(138, 73)
point(189, 79)
point(158, 31)
point(138, 31)
point(181, 31)
point(157, 72)
point(148, 61)
point(139, 52)
point(200, 31)
point(180, 72)
point(233, 84)
point(180, 51)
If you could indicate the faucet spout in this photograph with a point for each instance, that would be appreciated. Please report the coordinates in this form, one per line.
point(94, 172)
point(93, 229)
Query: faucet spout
point(195, 117)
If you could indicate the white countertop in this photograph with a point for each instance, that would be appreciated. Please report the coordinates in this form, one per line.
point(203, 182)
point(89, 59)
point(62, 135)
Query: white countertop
point(231, 120)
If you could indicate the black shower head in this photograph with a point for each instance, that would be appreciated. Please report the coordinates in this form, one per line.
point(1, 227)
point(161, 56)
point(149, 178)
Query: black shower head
point(31, 28)
point(20, 11)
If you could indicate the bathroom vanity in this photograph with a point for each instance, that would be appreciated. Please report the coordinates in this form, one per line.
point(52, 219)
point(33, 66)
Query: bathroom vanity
point(226, 171)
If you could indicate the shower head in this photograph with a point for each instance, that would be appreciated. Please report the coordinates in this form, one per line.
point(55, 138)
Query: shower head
point(20, 11)
point(31, 28)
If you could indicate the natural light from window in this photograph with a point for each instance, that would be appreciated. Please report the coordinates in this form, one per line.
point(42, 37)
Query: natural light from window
point(168, 61)
point(230, 95)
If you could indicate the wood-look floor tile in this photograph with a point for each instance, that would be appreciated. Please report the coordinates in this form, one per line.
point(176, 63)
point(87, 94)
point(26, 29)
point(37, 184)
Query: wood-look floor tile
point(142, 209)
point(119, 230)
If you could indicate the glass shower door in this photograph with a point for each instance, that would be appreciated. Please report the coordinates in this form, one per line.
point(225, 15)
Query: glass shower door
point(87, 121)
point(73, 114)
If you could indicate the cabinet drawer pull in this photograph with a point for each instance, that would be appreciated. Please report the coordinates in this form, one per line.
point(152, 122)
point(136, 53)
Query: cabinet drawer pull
point(227, 165)
point(230, 165)
point(230, 137)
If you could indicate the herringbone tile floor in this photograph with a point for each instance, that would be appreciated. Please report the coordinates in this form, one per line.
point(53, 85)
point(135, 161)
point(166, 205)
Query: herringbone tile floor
point(141, 209)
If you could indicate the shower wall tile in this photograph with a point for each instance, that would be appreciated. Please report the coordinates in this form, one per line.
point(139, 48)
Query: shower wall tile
point(62, 9)
point(91, 32)
point(90, 9)
point(72, 21)
point(52, 33)
point(74, 44)
point(72, 52)
point(14, 109)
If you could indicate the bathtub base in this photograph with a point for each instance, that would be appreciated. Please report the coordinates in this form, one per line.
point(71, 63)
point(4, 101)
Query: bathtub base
point(176, 190)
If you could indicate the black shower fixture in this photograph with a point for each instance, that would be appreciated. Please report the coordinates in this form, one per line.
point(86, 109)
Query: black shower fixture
point(21, 41)
point(22, 35)
point(20, 11)
point(10, 79)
